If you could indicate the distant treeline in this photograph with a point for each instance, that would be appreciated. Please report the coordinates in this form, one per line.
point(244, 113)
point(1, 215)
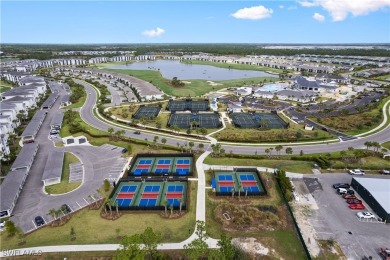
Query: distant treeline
point(24, 51)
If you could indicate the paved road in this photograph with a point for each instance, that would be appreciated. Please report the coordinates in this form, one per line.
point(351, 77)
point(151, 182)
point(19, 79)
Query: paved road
point(34, 202)
point(89, 118)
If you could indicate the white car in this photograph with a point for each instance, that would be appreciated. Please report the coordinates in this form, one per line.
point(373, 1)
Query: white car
point(356, 172)
point(365, 215)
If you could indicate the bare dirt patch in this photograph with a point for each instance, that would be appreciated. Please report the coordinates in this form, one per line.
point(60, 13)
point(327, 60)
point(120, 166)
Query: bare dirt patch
point(213, 84)
point(251, 246)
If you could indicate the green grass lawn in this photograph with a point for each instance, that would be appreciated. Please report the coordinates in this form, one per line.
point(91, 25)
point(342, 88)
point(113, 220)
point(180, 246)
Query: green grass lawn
point(386, 145)
point(4, 86)
point(287, 165)
point(234, 134)
point(79, 103)
point(196, 88)
point(90, 228)
point(233, 66)
point(64, 186)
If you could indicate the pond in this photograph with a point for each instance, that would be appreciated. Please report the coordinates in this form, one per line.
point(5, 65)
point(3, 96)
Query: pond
point(170, 69)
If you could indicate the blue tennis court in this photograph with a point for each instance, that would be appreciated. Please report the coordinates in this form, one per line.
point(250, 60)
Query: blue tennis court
point(145, 162)
point(225, 189)
point(253, 189)
point(225, 177)
point(164, 162)
point(247, 177)
point(161, 171)
point(124, 202)
point(175, 188)
point(173, 202)
point(150, 188)
point(126, 188)
point(147, 202)
point(182, 171)
point(183, 161)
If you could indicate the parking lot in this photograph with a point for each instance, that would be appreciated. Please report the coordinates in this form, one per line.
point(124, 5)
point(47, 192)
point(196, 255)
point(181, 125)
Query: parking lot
point(334, 220)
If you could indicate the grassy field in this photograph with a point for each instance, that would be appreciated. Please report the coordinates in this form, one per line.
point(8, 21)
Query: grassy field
point(90, 228)
point(357, 123)
point(234, 66)
point(64, 186)
point(386, 145)
point(81, 101)
point(233, 134)
point(282, 239)
point(287, 165)
point(196, 88)
point(4, 86)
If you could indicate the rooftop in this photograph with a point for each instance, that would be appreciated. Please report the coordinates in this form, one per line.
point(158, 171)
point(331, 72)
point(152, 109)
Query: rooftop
point(379, 189)
point(25, 156)
point(53, 168)
point(9, 189)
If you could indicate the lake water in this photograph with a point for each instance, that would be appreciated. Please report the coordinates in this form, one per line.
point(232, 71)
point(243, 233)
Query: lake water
point(170, 69)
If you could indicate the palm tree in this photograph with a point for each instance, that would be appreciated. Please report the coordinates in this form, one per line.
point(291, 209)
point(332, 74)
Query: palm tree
point(267, 151)
point(165, 203)
point(171, 209)
point(246, 192)
point(52, 213)
point(191, 144)
point(270, 150)
point(239, 190)
point(180, 204)
point(163, 141)
point(111, 131)
point(368, 144)
point(59, 213)
point(232, 191)
point(278, 148)
point(117, 206)
point(109, 204)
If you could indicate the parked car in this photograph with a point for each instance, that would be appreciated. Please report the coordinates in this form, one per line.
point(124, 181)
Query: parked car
point(341, 185)
point(384, 171)
point(347, 196)
point(385, 253)
point(39, 221)
point(66, 209)
point(356, 172)
point(357, 206)
point(124, 150)
point(365, 215)
point(342, 191)
point(354, 201)
point(137, 132)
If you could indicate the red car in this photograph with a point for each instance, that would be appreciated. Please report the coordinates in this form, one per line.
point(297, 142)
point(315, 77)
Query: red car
point(347, 196)
point(385, 253)
point(357, 206)
point(354, 201)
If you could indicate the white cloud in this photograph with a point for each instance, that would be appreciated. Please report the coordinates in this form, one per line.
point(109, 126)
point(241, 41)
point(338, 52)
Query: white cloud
point(253, 13)
point(319, 17)
point(153, 33)
point(281, 6)
point(339, 9)
point(307, 4)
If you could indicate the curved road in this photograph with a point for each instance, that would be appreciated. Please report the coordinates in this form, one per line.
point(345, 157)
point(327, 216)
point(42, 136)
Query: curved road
point(89, 117)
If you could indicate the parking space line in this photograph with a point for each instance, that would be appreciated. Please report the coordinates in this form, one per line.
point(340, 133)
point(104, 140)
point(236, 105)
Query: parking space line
point(34, 224)
point(78, 204)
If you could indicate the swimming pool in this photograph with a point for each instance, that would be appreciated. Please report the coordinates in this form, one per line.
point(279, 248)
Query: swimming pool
point(272, 87)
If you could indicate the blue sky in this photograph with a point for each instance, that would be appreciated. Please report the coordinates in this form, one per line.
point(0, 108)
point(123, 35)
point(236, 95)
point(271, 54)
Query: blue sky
point(311, 21)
